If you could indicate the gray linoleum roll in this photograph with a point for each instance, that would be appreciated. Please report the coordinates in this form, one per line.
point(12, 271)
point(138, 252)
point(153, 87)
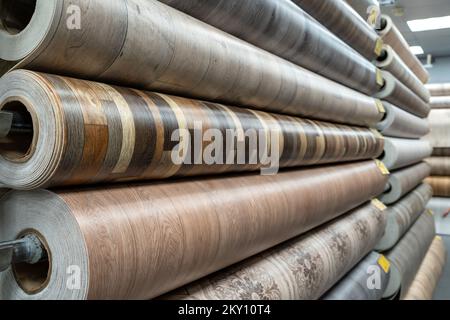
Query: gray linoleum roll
point(300, 269)
point(145, 44)
point(403, 181)
point(403, 214)
point(439, 89)
point(439, 137)
point(356, 284)
point(400, 95)
point(399, 153)
point(401, 124)
point(441, 209)
point(408, 254)
point(430, 271)
point(440, 166)
point(391, 62)
point(284, 29)
point(440, 102)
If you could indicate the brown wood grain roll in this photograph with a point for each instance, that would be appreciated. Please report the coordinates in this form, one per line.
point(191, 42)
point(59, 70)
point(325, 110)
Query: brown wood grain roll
point(440, 166)
point(146, 44)
point(401, 96)
point(440, 102)
point(392, 36)
point(408, 254)
point(391, 62)
point(430, 271)
point(441, 152)
point(439, 137)
point(340, 18)
point(439, 89)
point(403, 181)
point(281, 27)
point(141, 241)
point(300, 269)
point(86, 132)
point(399, 153)
point(440, 185)
point(403, 214)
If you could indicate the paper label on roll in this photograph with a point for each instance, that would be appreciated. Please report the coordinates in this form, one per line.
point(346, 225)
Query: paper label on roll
point(379, 47)
point(430, 212)
point(382, 167)
point(377, 134)
point(379, 104)
point(380, 80)
point(379, 205)
point(384, 264)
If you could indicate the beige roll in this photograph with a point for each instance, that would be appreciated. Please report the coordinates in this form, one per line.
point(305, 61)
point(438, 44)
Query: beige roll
point(440, 102)
point(400, 95)
point(440, 166)
point(439, 137)
point(392, 36)
point(146, 44)
point(391, 62)
point(430, 271)
point(399, 153)
point(439, 89)
point(440, 185)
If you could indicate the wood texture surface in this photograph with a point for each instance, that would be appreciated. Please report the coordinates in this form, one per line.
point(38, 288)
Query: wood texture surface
point(439, 89)
point(408, 254)
point(401, 96)
point(303, 268)
point(402, 214)
point(354, 286)
point(398, 123)
point(440, 185)
point(340, 18)
point(101, 133)
point(141, 241)
point(281, 27)
point(430, 271)
point(391, 62)
point(399, 153)
point(440, 166)
point(440, 102)
point(393, 37)
point(180, 55)
point(439, 137)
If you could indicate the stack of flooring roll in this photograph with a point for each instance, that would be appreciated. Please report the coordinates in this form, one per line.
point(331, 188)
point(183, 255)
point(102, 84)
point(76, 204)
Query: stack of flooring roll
point(266, 129)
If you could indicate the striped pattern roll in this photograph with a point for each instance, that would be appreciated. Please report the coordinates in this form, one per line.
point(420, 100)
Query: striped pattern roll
point(91, 132)
point(439, 137)
point(301, 269)
point(439, 89)
point(440, 185)
point(440, 102)
point(440, 166)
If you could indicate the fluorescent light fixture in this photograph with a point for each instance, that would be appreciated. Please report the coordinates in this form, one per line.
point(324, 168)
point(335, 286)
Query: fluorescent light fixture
point(429, 24)
point(417, 50)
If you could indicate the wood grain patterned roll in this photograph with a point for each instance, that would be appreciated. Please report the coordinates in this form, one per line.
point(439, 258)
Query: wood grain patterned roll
point(86, 132)
point(441, 208)
point(441, 152)
point(439, 137)
point(408, 254)
point(430, 271)
point(340, 18)
point(440, 102)
point(440, 166)
point(392, 36)
point(179, 55)
point(400, 95)
point(403, 214)
point(300, 269)
point(391, 62)
point(439, 89)
point(399, 153)
point(401, 124)
point(141, 241)
point(403, 181)
point(440, 185)
point(354, 286)
point(281, 27)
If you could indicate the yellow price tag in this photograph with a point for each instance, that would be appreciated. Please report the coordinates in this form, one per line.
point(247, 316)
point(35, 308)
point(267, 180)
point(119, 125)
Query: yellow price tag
point(384, 263)
point(382, 167)
point(439, 238)
point(380, 106)
point(380, 79)
point(378, 204)
point(430, 212)
point(377, 134)
point(379, 47)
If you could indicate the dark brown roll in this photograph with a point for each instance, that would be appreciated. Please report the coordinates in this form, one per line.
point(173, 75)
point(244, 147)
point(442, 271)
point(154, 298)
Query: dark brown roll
point(281, 27)
point(441, 152)
point(149, 45)
point(85, 132)
point(403, 181)
point(301, 269)
point(439, 89)
point(141, 241)
point(399, 95)
point(440, 102)
point(408, 254)
point(344, 22)
point(440, 185)
point(402, 215)
point(392, 36)
point(391, 62)
point(440, 166)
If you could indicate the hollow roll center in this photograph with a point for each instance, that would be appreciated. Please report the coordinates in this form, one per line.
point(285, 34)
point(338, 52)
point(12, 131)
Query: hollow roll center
point(33, 278)
point(15, 15)
point(16, 146)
